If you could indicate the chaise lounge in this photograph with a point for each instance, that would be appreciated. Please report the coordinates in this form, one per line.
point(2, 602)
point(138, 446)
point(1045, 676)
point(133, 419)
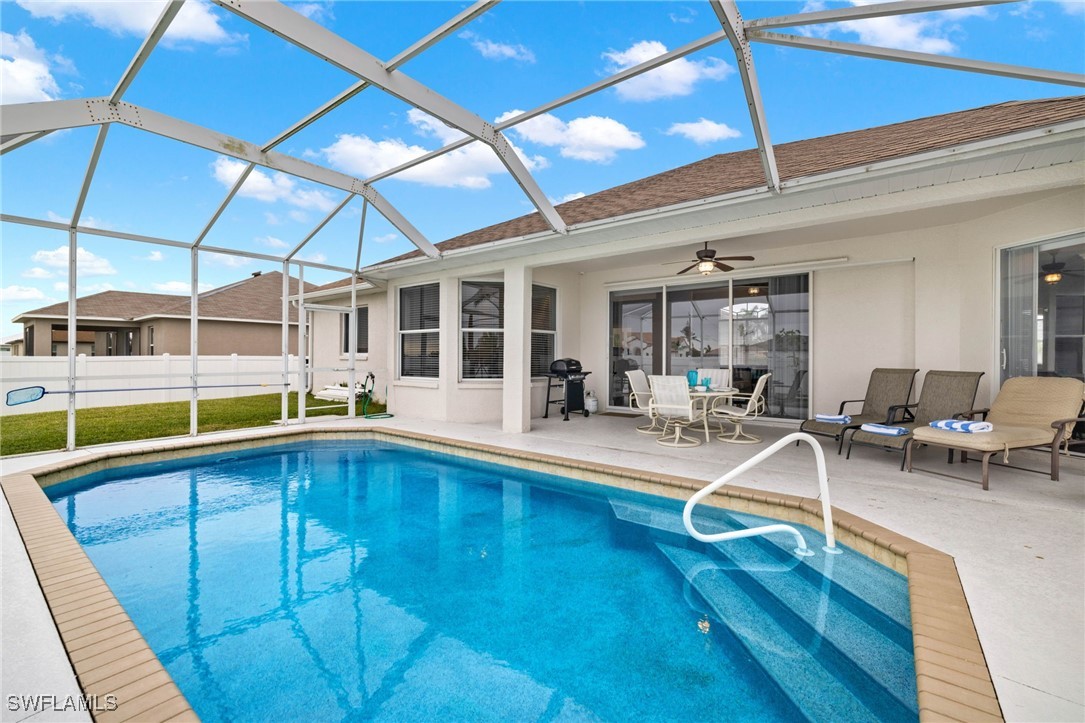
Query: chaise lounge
point(1028, 412)
point(886, 388)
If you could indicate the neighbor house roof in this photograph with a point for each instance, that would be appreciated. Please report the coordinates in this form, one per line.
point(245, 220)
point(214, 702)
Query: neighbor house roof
point(733, 172)
point(257, 298)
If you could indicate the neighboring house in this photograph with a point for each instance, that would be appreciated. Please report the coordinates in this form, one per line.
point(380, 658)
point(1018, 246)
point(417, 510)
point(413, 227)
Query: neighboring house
point(242, 318)
point(950, 242)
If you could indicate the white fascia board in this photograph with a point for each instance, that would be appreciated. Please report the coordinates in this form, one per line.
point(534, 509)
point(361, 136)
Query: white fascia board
point(64, 317)
point(338, 291)
point(318, 40)
point(933, 159)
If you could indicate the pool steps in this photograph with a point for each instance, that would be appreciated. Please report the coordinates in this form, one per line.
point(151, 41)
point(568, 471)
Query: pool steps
point(739, 582)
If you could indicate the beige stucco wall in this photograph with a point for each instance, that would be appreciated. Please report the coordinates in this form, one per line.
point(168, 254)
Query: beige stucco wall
point(917, 289)
point(327, 345)
point(171, 336)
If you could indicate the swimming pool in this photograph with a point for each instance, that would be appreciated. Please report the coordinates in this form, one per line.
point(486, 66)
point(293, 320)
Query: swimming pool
point(337, 580)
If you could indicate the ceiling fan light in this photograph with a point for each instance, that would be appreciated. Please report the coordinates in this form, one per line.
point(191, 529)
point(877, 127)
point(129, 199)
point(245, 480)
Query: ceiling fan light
point(706, 267)
point(1053, 278)
point(754, 291)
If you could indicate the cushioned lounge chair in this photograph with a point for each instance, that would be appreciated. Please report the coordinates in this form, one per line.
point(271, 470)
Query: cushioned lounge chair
point(945, 395)
point(886, 388)
point(640, 396)
point(1028, 412)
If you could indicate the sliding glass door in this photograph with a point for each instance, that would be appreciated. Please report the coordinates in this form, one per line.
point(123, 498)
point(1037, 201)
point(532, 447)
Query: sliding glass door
point(752, 327)
point(1043, 309)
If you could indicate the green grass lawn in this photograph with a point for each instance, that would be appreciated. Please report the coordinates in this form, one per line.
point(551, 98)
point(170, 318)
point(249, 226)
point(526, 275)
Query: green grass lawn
point(46, 431)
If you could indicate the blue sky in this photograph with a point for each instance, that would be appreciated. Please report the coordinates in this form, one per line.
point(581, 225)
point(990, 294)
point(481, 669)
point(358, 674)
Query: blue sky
point(218, 71)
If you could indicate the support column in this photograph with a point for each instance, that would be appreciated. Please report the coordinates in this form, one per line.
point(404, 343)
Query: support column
point(194, 343)
point(516, 396)
point(73, 318)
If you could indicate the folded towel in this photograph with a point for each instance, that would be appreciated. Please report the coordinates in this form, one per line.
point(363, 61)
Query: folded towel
point(884, 429)
point(962, 425)
point(833, 418)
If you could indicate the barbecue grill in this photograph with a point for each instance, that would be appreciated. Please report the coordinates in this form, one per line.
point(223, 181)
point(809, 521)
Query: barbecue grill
point(568, 375)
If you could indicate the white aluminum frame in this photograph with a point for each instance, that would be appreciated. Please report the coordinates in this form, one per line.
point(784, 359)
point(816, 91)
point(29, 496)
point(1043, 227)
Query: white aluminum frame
point(26, 123)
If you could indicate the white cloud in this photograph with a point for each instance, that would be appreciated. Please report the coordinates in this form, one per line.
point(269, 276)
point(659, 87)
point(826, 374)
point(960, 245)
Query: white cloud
point(685, 17)
point(196, 22)
point(37, 273)
point(20, 293)
point(316, 11)
point(1072, 7)
point(924, 33)
point(153, 256)
point(272, 242)
point(26, 70)
point(86, 263)
point(272, 219)
point(589, 138)
point(270, 188)
point(299, 216)
point(675, 79)
point(227, 260)
point(385, 238)
point(568, 197)
point(498, 51)
point(467, 167)
point(703, 131)
point(317, 258)
point(88, 221)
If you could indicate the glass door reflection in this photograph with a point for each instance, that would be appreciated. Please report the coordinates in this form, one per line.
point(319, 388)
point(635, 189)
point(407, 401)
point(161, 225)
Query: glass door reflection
point(636, 325)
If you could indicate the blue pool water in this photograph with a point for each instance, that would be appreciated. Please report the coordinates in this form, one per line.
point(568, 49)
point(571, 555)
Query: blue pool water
point(369, 581)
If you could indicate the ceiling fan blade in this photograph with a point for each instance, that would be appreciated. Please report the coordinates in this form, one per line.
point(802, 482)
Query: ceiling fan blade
point(723, 267)
point(734, 258)
point(688, 268)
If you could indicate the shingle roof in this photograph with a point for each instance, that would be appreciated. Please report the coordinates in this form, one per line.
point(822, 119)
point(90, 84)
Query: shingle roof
point(731, 172)
point(333, 285)
point(257, 298)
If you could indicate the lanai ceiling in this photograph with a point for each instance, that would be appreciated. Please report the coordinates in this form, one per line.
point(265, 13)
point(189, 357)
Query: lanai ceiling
point(30, 123)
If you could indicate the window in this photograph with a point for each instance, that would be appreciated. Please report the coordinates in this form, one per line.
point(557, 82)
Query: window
point(544, 327)
point(362, 323)
point(419, 331)
point(28, 341)
point(482, 329)
point(482, 321)
point(150, 340)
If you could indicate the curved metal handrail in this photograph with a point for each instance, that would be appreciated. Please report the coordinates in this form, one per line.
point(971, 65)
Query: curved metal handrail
point(823, 484)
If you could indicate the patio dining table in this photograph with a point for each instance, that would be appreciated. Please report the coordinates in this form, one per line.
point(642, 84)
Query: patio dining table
point(707, 398)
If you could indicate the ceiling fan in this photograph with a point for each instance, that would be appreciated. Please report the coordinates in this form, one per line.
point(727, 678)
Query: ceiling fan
point(706, 261)
point(1053, 272)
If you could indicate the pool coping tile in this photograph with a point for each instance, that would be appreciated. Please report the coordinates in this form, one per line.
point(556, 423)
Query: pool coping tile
point(952, 677)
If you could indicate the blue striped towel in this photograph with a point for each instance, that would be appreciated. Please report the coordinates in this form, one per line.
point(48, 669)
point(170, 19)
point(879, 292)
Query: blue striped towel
point(884, 429)
point(962, 425)
point(833, 418)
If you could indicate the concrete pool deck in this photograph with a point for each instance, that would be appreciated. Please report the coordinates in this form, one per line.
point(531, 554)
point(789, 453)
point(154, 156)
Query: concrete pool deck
point(1019, 548)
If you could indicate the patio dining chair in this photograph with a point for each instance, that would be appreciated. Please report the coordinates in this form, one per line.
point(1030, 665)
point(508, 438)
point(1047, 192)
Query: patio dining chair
point(1028, 412)
point(886, 388)
point(945, 395)
point(754, 407)
point(719, 378)
point(672, 403)
point(640, 396)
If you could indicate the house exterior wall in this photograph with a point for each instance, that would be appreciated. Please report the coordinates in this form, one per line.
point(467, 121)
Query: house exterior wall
point(326, 342)
point(171, 336)
point(897, 280)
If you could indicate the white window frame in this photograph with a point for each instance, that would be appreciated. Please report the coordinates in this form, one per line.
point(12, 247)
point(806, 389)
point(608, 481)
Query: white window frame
point(557, 321)
point(463, 330)
point(400, 332)
point(344, 332)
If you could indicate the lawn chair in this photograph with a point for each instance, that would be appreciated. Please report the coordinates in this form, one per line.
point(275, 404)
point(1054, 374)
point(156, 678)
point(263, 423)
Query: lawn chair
point(1028, 412)
point(945, 395)
point(672, 403)
point(886, 388)
point(719, 378)
point(736, 415)
point(640, 396)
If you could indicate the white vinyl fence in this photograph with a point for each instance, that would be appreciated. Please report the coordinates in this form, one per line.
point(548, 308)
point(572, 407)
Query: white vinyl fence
point(142, 372)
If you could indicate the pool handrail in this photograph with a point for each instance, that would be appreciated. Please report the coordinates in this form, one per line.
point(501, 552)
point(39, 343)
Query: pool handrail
point(823, 485)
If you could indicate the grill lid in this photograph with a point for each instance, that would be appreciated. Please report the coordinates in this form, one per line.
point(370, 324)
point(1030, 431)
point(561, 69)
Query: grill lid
point(565, 367)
